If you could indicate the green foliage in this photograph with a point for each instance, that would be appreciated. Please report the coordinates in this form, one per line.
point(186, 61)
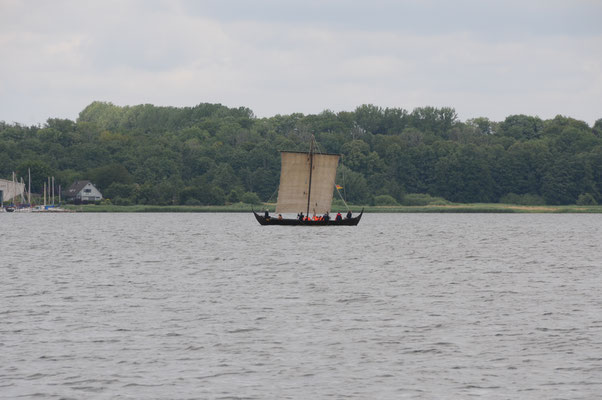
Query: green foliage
point(482, 125)
point(556, 126)
point(438, 121)
point(105, 176)
point(597, 129)
point(422, 199)
point(40, 171)
point(355, 187)
point(586, 199)
point(250, 198)
point(235, 196)
point(120, 201)
point(210, 154)
point(522, 127)
point(120, 190)
point(562, 181)
point(385, 200)
point(464, 176)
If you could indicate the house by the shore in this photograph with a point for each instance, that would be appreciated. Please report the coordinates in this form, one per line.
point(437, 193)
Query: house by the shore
point(83, 192)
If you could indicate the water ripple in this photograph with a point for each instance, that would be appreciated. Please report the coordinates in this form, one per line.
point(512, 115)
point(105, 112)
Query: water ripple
point(215, 306)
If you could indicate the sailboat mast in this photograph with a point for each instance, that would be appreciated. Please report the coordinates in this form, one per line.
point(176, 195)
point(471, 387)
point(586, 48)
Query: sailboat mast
point(22, 191)
point(311, 167)
point(29, 187)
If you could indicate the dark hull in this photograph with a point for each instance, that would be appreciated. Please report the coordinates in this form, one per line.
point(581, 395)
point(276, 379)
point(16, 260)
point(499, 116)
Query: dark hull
point(288, 221)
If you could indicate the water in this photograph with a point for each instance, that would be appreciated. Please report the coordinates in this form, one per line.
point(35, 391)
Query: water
point(416, 306)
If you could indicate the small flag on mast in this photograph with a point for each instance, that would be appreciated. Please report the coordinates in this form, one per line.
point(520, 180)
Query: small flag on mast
point(339, 187)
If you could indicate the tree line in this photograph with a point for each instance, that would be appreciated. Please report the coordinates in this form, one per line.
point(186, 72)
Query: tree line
point(213, 154)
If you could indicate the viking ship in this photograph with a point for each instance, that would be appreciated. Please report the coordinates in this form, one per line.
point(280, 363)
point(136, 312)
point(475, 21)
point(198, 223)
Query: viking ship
point(307, 183)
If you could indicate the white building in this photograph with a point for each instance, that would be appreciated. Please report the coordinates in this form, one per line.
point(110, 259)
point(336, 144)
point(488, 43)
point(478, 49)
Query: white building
point(11, 191)
point(83, 192)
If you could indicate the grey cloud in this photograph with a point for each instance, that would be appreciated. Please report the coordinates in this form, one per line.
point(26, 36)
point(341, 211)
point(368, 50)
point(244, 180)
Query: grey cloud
point(486, 58)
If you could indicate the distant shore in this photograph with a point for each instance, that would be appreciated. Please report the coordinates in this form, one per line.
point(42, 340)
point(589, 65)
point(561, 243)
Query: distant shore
point(451, 208)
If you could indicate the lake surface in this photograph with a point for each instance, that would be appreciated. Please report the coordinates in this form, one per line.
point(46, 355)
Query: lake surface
point(403, 306)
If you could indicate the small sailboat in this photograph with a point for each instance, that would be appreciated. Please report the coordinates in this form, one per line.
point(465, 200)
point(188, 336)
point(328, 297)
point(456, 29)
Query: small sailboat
point(307, 182)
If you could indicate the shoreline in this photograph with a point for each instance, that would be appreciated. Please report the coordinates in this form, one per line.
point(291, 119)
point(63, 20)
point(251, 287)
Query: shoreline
point(441, 209)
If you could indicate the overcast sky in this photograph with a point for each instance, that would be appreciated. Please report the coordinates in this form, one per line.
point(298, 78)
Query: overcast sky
point(483, 58)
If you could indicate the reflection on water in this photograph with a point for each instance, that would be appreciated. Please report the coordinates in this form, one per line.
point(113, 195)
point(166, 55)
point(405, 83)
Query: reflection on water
point(216, 306)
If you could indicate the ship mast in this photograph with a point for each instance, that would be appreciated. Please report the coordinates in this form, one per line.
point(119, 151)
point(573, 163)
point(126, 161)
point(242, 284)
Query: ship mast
point(311, 167)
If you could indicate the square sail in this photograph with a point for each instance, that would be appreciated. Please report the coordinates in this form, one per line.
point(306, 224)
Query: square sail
point(295, 177)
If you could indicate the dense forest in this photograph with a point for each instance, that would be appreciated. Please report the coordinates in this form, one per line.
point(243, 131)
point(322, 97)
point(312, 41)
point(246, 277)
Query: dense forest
point(212, 154)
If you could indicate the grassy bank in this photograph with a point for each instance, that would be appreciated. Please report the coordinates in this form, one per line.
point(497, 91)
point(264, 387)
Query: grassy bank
point(166, 209)
point(488, 208)
point(451, 208)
